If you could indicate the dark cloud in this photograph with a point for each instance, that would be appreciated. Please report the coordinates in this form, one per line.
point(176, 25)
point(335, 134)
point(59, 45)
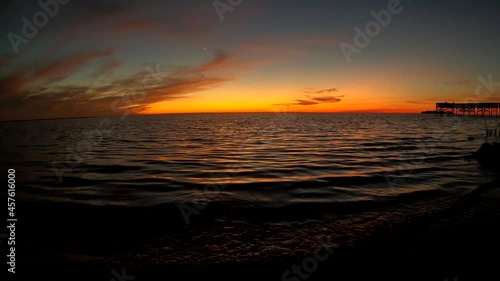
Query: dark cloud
point(416, 102)
point(315, 99)
point(221, 60)
point(23, 79)
point(308, 91)
point(305, 102)
point(327, 99)
point(133, 94)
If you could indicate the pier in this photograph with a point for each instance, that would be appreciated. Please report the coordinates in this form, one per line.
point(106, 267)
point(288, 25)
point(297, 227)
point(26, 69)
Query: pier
point(490, 109)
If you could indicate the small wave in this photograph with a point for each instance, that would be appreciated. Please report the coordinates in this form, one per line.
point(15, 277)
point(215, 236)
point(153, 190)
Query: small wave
point(110, 169)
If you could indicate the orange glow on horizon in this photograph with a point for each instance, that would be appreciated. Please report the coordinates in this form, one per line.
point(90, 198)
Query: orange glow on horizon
point(249, 107)
point(224, 100)
point(373, 95)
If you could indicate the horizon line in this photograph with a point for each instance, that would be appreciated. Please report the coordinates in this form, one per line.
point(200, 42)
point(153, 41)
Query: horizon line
point(228, 112)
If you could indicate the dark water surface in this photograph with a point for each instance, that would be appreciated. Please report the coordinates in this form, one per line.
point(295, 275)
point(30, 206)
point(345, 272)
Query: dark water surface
point(274, 183)
point(273, 159)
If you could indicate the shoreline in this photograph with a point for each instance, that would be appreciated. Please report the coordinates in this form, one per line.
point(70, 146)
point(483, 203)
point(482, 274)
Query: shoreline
point(438, 241)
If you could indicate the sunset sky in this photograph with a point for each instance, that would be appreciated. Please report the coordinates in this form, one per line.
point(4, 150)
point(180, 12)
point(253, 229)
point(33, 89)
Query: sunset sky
point(262, 56)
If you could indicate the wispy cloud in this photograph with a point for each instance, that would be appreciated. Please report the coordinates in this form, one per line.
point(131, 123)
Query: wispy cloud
point(327, 98)
point(21, 79)
point(417, 102)
point(305, 102)
point(27, 99)
point(314, 97)
point(313, 91)
point(221, 60)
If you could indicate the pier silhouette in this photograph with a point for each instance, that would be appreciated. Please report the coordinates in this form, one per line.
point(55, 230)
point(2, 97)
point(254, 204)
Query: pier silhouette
point(491, 109)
